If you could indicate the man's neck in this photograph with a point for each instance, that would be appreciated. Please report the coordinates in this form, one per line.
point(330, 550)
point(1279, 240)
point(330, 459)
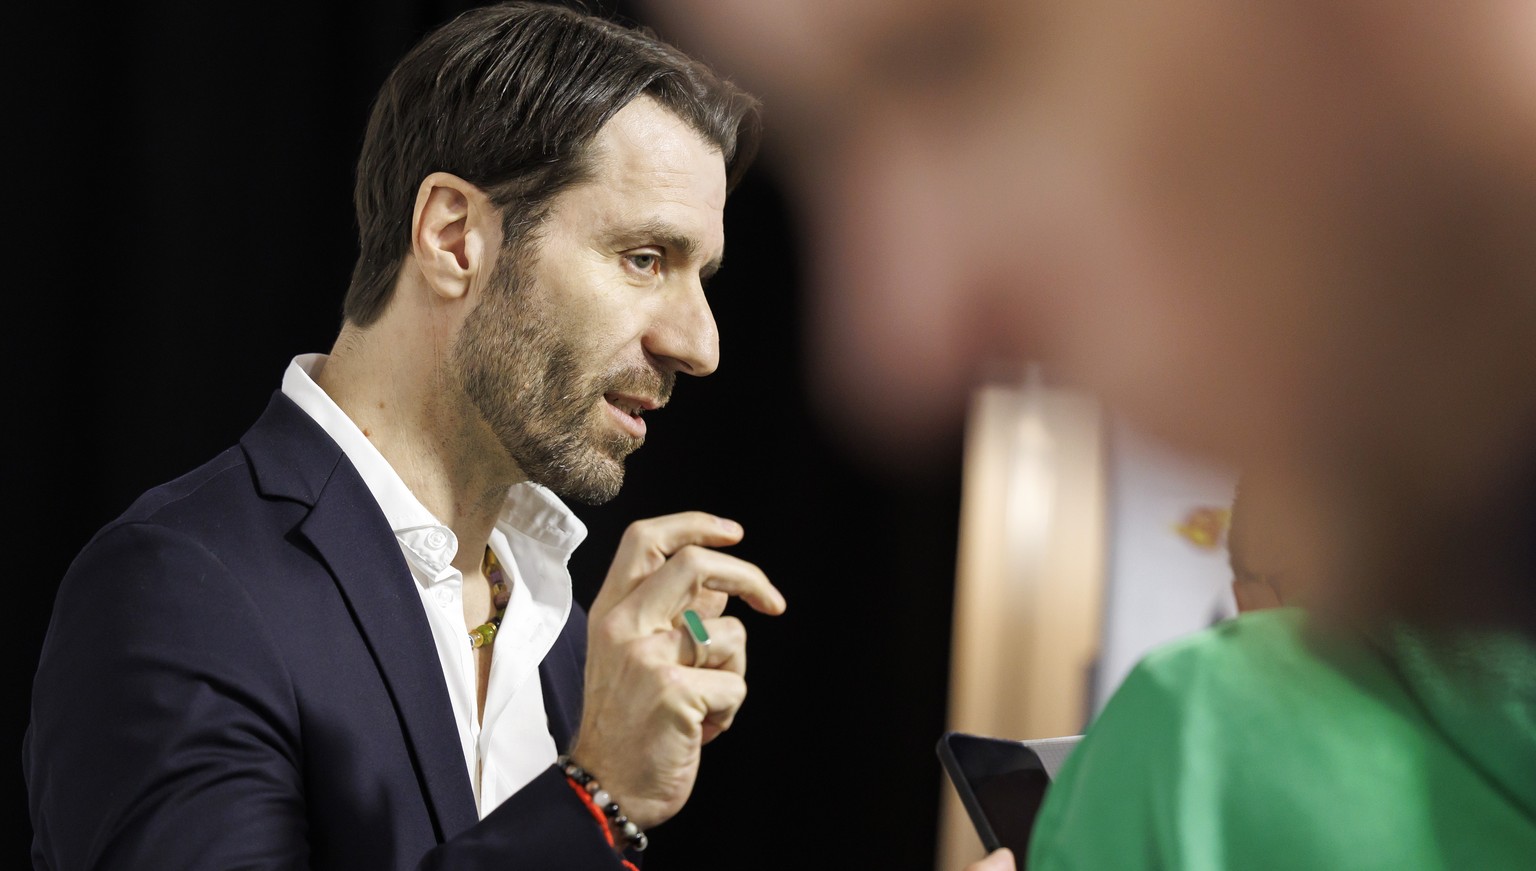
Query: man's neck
point(403, 398)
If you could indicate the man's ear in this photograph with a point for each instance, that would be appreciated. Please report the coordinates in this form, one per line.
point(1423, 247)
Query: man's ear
point(455, 234)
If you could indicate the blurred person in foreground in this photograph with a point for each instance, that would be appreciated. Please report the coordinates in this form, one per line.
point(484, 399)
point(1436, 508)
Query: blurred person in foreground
point(350, 641)
point(1296, 237)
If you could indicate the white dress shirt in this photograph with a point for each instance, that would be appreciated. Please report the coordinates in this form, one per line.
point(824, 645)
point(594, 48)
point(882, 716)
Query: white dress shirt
point(533, 538)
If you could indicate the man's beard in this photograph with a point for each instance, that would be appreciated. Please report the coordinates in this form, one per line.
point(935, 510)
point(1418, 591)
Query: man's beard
point(524, 376)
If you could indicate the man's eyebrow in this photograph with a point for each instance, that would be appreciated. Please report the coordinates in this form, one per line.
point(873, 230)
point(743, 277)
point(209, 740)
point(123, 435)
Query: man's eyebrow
point(670, 237)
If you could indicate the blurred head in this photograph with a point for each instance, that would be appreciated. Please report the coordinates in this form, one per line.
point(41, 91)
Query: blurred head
point(510, 98)
point(1295, 235)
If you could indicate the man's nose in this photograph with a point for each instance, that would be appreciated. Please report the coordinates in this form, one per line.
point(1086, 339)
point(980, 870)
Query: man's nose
point(683, 337)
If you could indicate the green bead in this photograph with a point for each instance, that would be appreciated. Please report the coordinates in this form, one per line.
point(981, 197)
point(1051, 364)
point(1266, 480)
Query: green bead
point(482, 635)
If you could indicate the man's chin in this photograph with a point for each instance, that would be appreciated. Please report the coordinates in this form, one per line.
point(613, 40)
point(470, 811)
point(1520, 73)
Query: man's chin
point(591, 489)
point(588, 470)
point(591, 480)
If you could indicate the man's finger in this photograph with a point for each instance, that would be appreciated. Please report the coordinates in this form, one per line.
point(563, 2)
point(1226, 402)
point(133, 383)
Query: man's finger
point(656, 602)
point(725, 649)
point(647, 544)
point(708, 603)
point(720, 693)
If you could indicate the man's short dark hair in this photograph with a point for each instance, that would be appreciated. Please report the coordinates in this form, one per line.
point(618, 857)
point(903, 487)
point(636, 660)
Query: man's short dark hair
point(508, 98)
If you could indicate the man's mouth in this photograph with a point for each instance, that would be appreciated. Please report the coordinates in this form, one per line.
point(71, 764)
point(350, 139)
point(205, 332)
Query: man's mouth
point(633, 406)
point(626, 411)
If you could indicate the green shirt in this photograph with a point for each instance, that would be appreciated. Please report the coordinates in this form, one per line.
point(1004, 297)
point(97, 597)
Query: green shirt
point(1256, 745)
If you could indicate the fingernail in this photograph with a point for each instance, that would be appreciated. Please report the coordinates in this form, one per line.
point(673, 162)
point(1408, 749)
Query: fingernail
point(729, 525)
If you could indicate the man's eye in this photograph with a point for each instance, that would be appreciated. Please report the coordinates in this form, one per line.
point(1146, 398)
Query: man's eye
point(644, 262)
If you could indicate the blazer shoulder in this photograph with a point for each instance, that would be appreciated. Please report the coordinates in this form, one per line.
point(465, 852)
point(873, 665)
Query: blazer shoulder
point(277, 471)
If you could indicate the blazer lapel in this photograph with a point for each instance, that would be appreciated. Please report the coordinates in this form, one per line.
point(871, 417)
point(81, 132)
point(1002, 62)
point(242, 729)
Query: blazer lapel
point(560, 676)
point(293, 457)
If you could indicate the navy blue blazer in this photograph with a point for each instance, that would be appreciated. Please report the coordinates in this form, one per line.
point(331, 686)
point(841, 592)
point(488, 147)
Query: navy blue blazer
point(238, 674)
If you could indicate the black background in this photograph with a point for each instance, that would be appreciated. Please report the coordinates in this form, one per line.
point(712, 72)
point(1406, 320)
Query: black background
point(179, 226)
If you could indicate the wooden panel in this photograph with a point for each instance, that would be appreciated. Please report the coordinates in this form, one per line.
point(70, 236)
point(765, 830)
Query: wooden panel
point(1029, 576)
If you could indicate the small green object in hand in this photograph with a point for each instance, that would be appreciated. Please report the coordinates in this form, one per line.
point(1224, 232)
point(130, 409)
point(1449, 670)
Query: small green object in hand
point(696, 626)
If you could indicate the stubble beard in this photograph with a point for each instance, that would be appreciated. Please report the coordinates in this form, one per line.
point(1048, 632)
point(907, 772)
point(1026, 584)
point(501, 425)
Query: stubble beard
point(523, 376)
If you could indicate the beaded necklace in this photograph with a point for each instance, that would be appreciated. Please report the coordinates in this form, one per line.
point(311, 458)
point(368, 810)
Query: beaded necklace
point(485, 633)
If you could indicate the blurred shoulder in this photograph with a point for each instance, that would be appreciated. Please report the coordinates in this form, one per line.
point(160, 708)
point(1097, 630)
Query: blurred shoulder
point(1273, 659)
point(1259, 737)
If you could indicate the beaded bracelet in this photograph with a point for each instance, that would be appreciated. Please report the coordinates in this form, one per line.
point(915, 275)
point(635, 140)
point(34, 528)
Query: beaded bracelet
point(617, 822)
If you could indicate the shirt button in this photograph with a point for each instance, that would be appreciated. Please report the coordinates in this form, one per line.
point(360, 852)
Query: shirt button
point(436, 539)
point(445, 597)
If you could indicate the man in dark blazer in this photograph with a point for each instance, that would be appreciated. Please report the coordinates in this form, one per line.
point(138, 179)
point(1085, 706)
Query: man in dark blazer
point(349, 641)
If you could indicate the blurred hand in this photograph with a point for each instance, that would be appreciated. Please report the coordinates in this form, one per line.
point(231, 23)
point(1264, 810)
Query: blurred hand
point(648, 710)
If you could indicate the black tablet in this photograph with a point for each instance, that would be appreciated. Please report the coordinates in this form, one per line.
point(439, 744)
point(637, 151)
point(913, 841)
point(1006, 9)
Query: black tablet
point(1002, 783)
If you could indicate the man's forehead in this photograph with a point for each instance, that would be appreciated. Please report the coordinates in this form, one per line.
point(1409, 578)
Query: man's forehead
point(654, 181)
point(647, 143)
